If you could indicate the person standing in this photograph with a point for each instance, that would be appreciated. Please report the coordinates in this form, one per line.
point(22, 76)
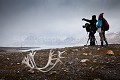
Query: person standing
point(92, 31)
point(101, 28)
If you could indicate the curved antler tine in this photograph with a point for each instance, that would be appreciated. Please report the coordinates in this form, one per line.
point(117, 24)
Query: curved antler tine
point(34, 53)
point(51, 51)
point(54, 58)
point(60, 61)
point(26, 61)
point(30, 53)
point(54, 54)
point(63, 52)
point(59, 54)
point(23, 61)
point(51, 54)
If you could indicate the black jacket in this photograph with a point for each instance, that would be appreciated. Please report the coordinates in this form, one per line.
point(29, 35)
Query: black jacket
point(92, 24)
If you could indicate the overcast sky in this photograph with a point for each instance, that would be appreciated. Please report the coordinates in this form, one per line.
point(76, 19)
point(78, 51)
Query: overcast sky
point(52, 18)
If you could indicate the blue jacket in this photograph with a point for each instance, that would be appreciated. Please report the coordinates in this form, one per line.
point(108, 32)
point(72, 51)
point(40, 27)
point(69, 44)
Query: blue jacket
point(99, 24)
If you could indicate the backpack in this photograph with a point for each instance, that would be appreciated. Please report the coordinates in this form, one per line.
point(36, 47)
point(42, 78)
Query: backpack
point(88, 27)
point(105, 25)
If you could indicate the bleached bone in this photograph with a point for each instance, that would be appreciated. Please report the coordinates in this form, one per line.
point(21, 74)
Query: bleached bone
point(31, 58)
point(50, 59)
point(26, 61)
point(29, 61)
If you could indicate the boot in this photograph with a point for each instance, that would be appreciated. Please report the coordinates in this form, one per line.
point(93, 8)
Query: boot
point(101, 43)
point(92, 41)
point(91, 44)
point(106, 43)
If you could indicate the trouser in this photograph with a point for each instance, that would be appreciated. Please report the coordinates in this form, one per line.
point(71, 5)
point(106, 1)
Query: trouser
point(92, 38)
point(103, 38)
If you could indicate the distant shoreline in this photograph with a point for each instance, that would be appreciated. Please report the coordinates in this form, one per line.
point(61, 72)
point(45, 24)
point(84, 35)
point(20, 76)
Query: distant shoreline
point(25, 49)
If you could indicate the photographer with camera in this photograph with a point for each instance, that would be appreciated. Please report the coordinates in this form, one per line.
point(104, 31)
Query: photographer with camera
point(91, 28)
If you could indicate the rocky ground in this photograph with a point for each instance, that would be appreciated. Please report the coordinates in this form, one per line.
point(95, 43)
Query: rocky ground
point(80, 63)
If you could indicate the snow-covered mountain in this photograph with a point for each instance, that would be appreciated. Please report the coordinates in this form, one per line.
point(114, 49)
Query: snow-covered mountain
point(40, 41)
point(33, 40)
point(113, 38)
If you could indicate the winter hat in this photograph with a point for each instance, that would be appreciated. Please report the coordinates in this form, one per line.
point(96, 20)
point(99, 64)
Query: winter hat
point(93, 16)
point(101, 15)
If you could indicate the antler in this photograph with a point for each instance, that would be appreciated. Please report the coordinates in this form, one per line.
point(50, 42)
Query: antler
point(29, 61)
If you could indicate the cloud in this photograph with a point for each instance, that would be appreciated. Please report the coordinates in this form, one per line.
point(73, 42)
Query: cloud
point(52, 17)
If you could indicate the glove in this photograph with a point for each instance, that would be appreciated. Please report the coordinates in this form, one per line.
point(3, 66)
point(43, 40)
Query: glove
point(83, 19)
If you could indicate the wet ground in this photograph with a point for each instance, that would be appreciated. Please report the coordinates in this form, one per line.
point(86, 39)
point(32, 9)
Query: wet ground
point(80, 63)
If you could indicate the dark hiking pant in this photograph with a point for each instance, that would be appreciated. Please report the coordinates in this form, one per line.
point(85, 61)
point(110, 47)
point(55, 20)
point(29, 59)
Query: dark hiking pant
point(92, 38)
point(103, 38)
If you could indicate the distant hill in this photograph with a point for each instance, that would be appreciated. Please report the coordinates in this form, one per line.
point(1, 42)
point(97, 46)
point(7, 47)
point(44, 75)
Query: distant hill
point(33, 40)
point(113, 38)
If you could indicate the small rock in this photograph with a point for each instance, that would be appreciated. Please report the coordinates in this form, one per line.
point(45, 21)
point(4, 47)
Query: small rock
point(98, 49)
point(31, 71)
point(2, 79)
point(91, 68)
point(53, 72)
point(97, 79)
point(94, 61)
point(84, 60)
point(85, 54)
point(90, 53)
point(18, 63)
point(65, 70)
point(76, 58)
point(8, 58)
point(72, 52)
point(70, 62)
point(76, 49)
point(110, 52)
point(11, 63)
point(18, 72)
point(86, 47)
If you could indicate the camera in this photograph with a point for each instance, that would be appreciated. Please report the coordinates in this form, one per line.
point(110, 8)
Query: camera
point(87, 26)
